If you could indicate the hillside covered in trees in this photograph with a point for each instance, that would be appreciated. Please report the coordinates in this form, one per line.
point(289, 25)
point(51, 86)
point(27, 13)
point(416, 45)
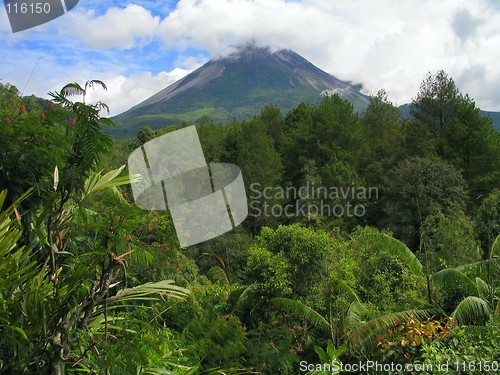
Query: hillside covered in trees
point(370, 239)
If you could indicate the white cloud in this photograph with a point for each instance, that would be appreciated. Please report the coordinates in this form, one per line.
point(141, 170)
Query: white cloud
point(465, 25)
point(118, 28)
point(379, 44)
point(125, 92)
point(385, 44)
point(190, 62)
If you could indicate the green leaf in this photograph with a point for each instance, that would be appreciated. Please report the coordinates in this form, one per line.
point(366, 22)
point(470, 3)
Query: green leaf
point(95, 182)
point(451, 278)
point(147, 290)
point(217, 273)
point(472, 310)
point(303, 311)
point(322, 354)
point(364, 336)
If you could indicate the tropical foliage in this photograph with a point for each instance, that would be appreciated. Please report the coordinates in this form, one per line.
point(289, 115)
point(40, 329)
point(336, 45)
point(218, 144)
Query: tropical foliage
point(370, 237)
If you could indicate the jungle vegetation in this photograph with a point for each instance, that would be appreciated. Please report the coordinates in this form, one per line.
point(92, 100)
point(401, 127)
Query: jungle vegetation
point(92, 284)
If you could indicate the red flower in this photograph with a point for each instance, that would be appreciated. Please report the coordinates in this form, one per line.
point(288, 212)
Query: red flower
point(22, 108)
point(272, 344)
point(125, 195)
point(167, 264)
point(275, 323)
point(245, 329)
point(72, 122)
point(149, 228)
point(292, 350)
point(43, 139)
point(6, 120)
point(49, 105)
point(127, 238)
point(264, 365)
point(300, 350)
point(167, 249)
point(178, 266)
point(290, 330)
point(41, 115)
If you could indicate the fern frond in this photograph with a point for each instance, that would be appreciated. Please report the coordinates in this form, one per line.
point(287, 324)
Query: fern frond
point(72, 89)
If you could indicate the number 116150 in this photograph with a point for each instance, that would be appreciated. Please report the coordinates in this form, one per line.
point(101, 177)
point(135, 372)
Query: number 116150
point(33, 8)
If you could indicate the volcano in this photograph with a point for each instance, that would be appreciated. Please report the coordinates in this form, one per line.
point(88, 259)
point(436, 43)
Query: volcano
point(238, 84)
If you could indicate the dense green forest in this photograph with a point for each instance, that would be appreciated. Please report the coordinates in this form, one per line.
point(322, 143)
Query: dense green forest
point(371, 240)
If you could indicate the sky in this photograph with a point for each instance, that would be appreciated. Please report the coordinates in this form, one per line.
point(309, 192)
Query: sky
point(140, 47)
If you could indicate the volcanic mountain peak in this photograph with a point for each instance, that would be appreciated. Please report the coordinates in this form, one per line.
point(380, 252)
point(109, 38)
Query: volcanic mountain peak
point(237, 84)
point(246, 51)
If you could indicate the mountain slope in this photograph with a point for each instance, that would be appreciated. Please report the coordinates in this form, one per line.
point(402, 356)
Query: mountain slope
point(238, 84)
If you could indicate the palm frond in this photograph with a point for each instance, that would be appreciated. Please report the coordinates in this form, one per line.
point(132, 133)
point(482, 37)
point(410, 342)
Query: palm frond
point(481, 268)
point(147, 290)
point(472, 310)
point(496, 246)
point(398, 249)
point(483, 287)
point(217, 273)
point(303, 311)
point(142, 256)
point(357, 314)
point(364, 336)
point(340, 287)
point(451, 278)
point(246, 298)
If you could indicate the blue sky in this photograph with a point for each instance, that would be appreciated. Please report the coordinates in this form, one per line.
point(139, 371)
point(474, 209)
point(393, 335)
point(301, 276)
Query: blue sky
point(139, 47)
